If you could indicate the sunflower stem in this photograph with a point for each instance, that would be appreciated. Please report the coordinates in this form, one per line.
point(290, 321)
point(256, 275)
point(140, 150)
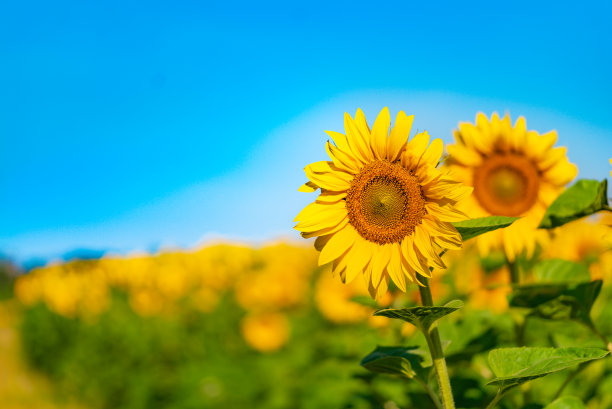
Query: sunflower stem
point(515, 272)
point(437, 355)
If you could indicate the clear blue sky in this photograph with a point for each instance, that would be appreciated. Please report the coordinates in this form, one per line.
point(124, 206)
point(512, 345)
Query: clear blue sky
point(130, 125)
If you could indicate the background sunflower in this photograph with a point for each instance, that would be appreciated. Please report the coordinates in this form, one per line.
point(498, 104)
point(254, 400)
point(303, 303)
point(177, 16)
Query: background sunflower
point(514, 172)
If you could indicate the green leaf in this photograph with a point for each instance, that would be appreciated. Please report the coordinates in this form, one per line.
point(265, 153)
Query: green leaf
point(395, 361)
point(582, 199)
point(421, 317)
point(558, 270)
point(558, 301)
point(566, 402)
point(514, 366)
point(475, 227)
point(367, 301)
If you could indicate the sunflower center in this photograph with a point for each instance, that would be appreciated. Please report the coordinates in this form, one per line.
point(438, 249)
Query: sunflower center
point(506, 184)
point(385, 202)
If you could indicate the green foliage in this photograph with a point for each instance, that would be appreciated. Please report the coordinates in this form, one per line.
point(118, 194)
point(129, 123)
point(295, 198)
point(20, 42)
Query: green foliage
point(422, 317)
point(584, 198)
point(566, 402)
point(121, 360)
point(558, 301)
point(558, 270)
point(395, 361)
point(514, 366)
point(475, 227)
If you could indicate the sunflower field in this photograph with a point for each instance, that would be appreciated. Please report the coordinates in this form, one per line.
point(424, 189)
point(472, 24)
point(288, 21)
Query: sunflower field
point(476, 278)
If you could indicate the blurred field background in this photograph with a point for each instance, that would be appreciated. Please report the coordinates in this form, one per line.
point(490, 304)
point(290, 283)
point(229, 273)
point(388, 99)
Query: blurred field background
point(230, 325)
point(150, 155)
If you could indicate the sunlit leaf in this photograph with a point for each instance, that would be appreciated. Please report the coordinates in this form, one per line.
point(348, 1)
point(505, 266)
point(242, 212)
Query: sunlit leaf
point(558, 270)
point(422, 317)
point(514, 366)
point(475, 227)
point(566, 402)
point(582, 199)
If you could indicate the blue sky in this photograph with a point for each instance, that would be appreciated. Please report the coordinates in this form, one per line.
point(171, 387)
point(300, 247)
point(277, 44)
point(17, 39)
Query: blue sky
point(134, 125)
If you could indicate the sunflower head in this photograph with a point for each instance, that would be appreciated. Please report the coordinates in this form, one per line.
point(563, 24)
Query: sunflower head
point(384, 209)
point(514, 172)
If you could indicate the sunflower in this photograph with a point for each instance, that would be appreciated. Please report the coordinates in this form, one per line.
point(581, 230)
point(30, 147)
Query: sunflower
point(514, 172)
point(383, 210)
point(585, 240)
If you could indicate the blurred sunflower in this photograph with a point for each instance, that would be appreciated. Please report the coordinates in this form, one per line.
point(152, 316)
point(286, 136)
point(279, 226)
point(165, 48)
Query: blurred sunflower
point(265, 332)
point(514, 172)
point(384, 210)
point(588, 241)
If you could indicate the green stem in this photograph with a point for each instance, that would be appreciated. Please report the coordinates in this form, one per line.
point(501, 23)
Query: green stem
point(496, 399)
point(431, 393)
point(604, 339)
point(570, 377)
point(437, 355)
point(515, 272)
point(515, 279)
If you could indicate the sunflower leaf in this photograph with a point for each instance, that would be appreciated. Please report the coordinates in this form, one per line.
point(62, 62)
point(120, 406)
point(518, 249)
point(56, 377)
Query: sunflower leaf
point(514, 366)
point(566, 402)
point(395, 361)
point(558, 270)
point(421, 317)
point(475, 227)
point(559, 300)
point(583, 198)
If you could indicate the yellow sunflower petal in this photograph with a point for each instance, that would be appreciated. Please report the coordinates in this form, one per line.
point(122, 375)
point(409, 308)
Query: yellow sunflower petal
point(317, 210)
point(342, 160)
point(321, 241)
point(561, 173)
point(415, 149)
point(445, 213)
point(399, 135)
point(410, 255)
point(359, 257)
point(337, 245)
point(422, 241)
point(340, 140)
point(379, 134)
point(310, 232)
point(361, 122)
point(336, 181)
point(461, 154)
point(358, 142)
point(330, 197)
point(471, 137)
point(308, 187)
point(395, 267)
point(380, 260)
point(432, 155)
point(382, 288)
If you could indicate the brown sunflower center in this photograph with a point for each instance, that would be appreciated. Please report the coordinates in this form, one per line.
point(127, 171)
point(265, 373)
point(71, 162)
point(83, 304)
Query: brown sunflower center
point(385, 202)
point(506, 184)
